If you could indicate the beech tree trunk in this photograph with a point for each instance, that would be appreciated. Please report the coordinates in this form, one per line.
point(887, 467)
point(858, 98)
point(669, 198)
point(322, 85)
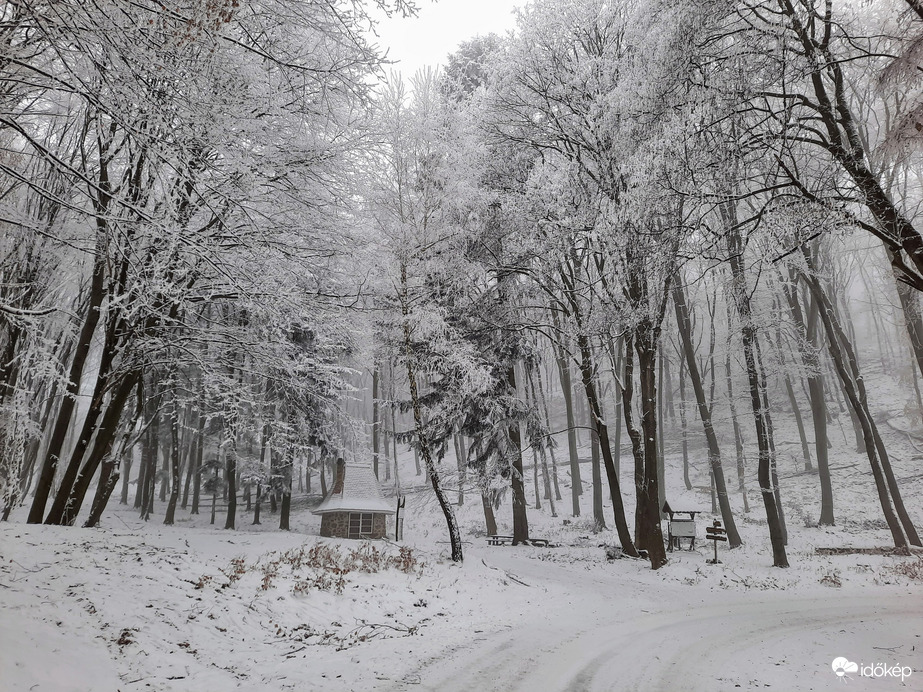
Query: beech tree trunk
point(376, 417)
point(810, 350)
point(599, 521)
point(554, 461)
point(843, 356)
point(587, 371)
point(567, 391)
point(517, 484)
point(102, 448)
point(651, 530)
point(755, 379)
point(197, 463)
point(285, 508)
point(714, 451)
point(175, 475)
point(735, 425)
point(81, 352)
point(231, 466)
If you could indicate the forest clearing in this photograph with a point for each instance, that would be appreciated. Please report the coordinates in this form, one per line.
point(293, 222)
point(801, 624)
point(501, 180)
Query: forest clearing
point(588, 359)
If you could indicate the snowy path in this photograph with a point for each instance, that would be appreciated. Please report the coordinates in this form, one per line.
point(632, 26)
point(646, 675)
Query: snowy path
point(721, 641)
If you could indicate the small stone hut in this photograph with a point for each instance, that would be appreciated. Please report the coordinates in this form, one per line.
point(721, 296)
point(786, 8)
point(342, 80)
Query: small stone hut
point(355, 506)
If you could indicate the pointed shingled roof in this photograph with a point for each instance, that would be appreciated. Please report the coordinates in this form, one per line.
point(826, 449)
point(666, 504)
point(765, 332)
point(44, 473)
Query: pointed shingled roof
point(356, 490)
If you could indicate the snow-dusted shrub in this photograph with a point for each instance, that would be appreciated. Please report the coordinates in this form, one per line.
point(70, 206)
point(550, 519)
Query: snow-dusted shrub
point(911, 569)
point(322, 567)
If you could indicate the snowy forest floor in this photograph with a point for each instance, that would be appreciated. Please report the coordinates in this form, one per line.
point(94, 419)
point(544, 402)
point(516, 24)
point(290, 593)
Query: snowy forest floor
point(136, 605)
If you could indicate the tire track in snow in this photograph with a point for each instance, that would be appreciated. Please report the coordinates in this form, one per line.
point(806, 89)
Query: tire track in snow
point(768, 641)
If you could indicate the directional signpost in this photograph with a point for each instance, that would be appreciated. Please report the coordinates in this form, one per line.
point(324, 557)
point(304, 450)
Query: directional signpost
point(715, 533)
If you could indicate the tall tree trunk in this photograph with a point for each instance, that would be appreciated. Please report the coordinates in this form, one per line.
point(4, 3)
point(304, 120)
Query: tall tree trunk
point(599, 521)
point(286, 503)
point(461, 465)
point(567, 391)
point(231, 466)
point(175, 475)
point(108, 477)
point(661, 480)
point(755, 378)
point(735, 425)
point(714, 451)
point(843, 356)
point(422, 441)
point(793, 401)
point(615, 356)
point(102, 447)
point(520, 518)
point(773, 457)
point(554, 461)
point(197, 464)
point(376, 418)
point(81, 352)
point(258, 504)
point(810, 351)
point(651, 529)
point(587, 372)
point(684, 430)
point(142, 477)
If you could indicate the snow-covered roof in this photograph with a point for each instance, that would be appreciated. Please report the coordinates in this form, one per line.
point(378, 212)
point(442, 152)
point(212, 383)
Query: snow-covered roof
point(360, 493)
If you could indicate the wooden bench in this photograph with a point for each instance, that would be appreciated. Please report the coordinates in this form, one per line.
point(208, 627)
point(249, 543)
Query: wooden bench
point(507, 540)
point(499, 540)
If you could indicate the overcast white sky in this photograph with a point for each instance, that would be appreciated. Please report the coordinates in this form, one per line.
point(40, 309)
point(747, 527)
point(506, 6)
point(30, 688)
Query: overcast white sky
point(440, 26)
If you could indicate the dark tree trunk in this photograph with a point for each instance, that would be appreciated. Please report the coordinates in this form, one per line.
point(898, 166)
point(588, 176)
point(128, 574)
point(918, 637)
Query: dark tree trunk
point(214, 495)
point(197, 464)
point(376, 418)
point(230, 520)
point(554, 461)
point(844, 361)
point(107, 481)
point(651, 531)
point(793, 401)
point(189, 444)
point(175, 475)
point(587, 371)
point(285, 471)
point(735, 425)
point(810, 351)
point(257, 506)
point(81, 352)
point(567, 391)
point(460, 465)
point(125, 475)
point(684, 432)
point(714, 451)
point(599, 521)
point(749, 336)
point(142, 476)
point(615, 354)
point(109, 473)
point(102, 448)
point(520, 517)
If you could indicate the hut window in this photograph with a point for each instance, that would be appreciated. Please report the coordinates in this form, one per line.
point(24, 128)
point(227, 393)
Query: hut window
point(359, 525)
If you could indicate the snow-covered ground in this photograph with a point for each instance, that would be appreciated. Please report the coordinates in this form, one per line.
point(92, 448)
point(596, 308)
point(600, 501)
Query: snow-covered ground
point(137, 605)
